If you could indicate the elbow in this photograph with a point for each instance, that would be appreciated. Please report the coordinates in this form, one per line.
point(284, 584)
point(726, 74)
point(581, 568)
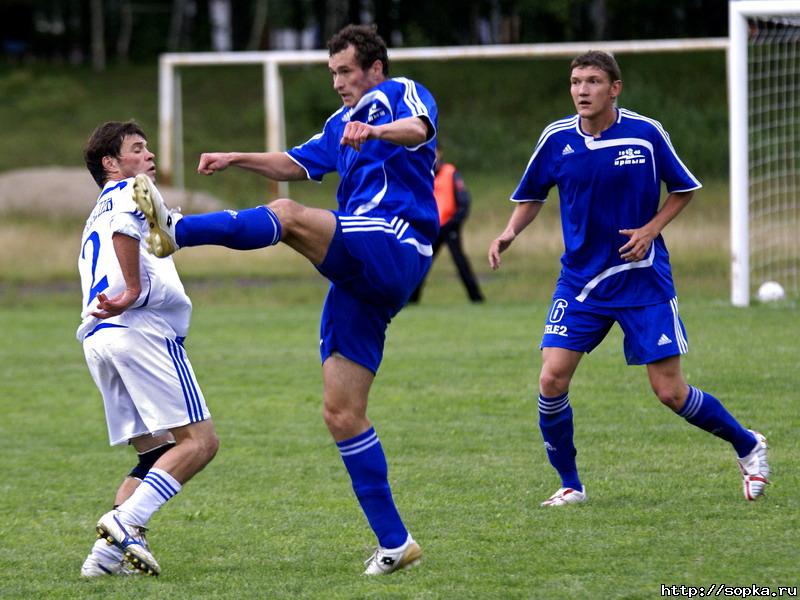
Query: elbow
point(424, 131)
point(421, 131)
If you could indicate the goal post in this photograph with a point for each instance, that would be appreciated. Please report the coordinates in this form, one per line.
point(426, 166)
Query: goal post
point(170, 156)
point(764, 124)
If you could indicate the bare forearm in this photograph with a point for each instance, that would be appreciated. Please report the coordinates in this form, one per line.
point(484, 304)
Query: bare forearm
point(274, 165)
point(672, 207)
point(641, 238)
point(523, 215)
point(127, 251)
point(411, 131)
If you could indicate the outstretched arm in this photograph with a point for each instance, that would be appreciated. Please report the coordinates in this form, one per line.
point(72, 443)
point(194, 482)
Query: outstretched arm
point(127, 251)
point(411, 131)
point(640, 240)
point(524, 213)
point(274, 165)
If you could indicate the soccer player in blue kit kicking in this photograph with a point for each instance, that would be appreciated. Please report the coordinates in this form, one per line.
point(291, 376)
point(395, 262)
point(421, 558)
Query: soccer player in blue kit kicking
point(375, 249)
point(608, 164)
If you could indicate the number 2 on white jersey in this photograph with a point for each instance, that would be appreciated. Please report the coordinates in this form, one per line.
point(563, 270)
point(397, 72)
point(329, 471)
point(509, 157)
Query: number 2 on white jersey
point(94, 288)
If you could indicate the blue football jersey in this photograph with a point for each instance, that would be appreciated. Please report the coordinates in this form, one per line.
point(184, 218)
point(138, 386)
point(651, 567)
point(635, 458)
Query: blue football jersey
point(382, 179)
point(606, 184)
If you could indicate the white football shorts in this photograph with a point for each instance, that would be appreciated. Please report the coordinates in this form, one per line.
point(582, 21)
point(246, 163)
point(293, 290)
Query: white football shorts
point(147, 382)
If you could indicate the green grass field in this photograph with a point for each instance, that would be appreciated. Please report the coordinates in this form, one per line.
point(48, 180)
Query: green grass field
point(273, 515)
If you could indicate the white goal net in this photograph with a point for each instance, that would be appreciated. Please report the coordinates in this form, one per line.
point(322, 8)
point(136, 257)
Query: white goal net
point(765, 146)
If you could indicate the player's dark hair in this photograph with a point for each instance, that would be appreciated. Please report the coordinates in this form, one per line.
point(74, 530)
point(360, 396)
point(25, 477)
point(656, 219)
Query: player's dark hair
point(106, 140)
point(368, 44)
point(601, 60)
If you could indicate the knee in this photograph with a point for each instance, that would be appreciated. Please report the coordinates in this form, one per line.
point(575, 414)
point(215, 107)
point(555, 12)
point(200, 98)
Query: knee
point(342, 422)
point(672, 395)
point(336, 419)
point(206, 446)
point(553, 383)
point(286, 210)
point(211, 446)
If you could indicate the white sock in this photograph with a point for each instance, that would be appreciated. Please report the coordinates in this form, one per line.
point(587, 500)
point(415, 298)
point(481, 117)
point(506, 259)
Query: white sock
point(156, 488)
point(105, 552)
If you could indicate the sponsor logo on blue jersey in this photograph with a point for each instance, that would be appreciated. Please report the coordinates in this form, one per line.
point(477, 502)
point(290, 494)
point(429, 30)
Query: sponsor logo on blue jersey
point(629, 156)
point(375, 112)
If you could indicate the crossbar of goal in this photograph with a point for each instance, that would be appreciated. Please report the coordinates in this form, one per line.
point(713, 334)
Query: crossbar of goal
point(170, 104)
point(738, 14)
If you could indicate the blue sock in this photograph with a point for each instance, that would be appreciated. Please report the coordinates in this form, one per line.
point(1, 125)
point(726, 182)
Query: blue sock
point(555, 421)
point(363, 456)
point(243, 230)
point(706, 412)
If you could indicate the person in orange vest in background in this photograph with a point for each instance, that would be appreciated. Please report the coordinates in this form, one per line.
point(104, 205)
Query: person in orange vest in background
point(452, 200)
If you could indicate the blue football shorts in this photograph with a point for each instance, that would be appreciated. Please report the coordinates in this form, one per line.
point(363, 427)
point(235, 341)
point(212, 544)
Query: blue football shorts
point(651, 332)
point(373, 264)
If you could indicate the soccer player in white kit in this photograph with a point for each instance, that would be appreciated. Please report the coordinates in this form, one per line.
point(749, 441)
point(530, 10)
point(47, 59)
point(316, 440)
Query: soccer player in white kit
point(135, 317)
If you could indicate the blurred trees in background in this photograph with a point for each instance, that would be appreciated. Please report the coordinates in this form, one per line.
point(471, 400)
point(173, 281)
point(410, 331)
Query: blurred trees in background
point(97, 31)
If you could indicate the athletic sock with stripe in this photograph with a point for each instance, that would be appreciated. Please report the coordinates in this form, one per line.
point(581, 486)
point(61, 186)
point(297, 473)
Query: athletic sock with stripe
point(555, 421)
point(241, 230)
point(366, 463)
point(156, 489)
point(706, 412)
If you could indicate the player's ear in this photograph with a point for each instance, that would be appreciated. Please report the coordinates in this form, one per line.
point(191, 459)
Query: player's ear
point(110, 164)
point(376, 68)
point(616, 88)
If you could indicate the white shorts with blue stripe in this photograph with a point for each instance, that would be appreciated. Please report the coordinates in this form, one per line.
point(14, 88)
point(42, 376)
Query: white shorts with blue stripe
point(147, 382)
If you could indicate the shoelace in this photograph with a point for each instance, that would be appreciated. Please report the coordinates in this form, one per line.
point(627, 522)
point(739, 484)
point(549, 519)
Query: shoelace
point(372, 557)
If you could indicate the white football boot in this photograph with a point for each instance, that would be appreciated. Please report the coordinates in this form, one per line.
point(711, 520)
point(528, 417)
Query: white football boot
point(755, 468)
point(102, 560)
point(384, 561)
point(161, 219)
point(105, 559)
point(565, 495)
point(130, 539)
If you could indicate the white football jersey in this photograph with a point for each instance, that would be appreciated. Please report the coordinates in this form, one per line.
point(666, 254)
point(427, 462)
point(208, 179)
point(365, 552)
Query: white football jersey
point(163, 306)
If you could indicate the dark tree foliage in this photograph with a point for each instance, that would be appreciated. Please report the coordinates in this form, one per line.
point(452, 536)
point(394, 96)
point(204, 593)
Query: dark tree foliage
point(60, 30)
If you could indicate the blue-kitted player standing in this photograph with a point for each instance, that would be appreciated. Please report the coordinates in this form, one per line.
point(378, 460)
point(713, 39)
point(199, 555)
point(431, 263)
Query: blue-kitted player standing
point(608, 164)
point(375, 248)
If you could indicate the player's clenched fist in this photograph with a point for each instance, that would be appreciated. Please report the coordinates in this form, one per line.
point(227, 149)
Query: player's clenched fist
point(356, 133)
point(210, 162)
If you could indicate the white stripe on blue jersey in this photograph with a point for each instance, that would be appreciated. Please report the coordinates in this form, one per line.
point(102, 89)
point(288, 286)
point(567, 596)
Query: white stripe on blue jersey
point(373, 96)
point(411, 97)
point(660, 128)
point(638, 264)
point(376, 199)
point(594, 144)
point(397, 228)
point(553, 128)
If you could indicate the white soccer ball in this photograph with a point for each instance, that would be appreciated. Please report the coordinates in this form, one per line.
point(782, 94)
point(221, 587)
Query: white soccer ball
point(771, 291)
